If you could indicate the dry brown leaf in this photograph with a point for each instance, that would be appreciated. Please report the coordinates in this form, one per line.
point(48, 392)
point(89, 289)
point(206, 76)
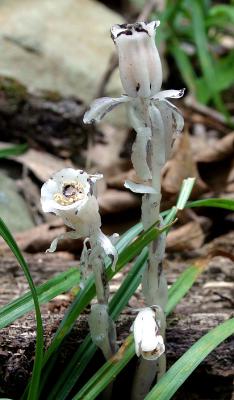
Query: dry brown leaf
point(39, 238)
point(117, 181)
point(42, 164)
point(187, 237)
point(181, 166)
point(217, 150)
point(116, 201)
point(105, 153)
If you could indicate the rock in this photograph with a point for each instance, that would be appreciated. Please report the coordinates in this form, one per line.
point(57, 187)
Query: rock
point(61, 46)
point(13, 209)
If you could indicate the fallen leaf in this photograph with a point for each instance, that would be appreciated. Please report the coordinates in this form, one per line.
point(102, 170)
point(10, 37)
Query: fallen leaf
point(217, 150)
point(187, 237)
point(182, 166)
point(116, 201)
point(42, 164)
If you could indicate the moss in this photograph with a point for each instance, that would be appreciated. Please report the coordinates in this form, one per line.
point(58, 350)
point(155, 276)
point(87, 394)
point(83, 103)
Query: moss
point(13, 90)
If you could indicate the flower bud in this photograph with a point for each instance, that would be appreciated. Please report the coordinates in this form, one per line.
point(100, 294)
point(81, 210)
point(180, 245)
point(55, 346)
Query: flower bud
point(139, 62)
point(148, 342)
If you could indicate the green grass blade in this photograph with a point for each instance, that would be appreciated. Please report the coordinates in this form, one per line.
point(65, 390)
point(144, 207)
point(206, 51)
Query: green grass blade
point(13, 150)
point(45, 292)
point(185, 191)
point(184, 65)
point(227, 204)
point(180, 371)
point(85, 352)
point(88, 292)
point(206, 61)
point(111, 368)
point(182, 285)
point(34, 386)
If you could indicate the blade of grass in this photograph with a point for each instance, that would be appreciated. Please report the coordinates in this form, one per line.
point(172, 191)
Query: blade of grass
point(112, 368)
point(180, 371)
point(34, 385)
point(227, 204)
point(45, 292)
point(206, 62)
point(52, 288)
point(88, 292)
point(185, 191)
point(66, 280)
point(184, 65)
point(85, 352)
point(13, 150)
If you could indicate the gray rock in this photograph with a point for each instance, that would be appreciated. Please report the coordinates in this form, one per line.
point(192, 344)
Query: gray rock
point(62, 46)
point(13, 209)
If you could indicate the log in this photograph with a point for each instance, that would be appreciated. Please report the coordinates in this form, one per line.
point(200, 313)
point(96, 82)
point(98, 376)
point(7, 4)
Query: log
point(45, 120)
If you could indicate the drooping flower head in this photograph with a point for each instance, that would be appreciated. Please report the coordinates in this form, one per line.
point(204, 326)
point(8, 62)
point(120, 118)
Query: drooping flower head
point(69, 194)
point(139, 61)
point(148, 342)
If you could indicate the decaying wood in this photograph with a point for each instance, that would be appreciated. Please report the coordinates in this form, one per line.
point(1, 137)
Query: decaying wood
point(45, 120)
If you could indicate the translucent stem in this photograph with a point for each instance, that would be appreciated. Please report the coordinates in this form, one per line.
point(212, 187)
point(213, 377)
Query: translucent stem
point(102, 328)
point(154, 282)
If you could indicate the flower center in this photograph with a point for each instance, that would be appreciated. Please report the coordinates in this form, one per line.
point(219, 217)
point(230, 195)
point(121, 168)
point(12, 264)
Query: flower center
point(71, 192)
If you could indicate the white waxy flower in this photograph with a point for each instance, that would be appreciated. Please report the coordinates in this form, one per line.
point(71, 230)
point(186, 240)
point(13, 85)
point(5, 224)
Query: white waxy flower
point(148, 342)
point(139, 63)
point(69, 194)
point(155, 120)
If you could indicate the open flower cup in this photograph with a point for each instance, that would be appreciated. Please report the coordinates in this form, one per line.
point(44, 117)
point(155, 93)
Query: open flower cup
point(70, 194)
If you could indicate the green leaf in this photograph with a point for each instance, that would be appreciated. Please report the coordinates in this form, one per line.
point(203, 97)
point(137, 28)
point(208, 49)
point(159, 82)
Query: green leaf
point(45, 292)
point(112, 368)
point(184, 65)
point(185, 191)
point(180, 371)
point(34, 386)
point(13, 150)
point(227, 204)
point(85, 352)
point(224, 77)
point(205, 58)
point(88, 292)
point(182, 285)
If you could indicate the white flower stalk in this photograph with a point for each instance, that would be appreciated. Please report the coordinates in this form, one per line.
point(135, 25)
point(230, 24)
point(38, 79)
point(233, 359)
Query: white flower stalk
point(157, 122)
point(70, 194)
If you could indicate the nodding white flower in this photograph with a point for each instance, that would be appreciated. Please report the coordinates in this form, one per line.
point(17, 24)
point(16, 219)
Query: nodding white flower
point(148, 342)
point(150, 113)
point(69, 194)
point(139, 63)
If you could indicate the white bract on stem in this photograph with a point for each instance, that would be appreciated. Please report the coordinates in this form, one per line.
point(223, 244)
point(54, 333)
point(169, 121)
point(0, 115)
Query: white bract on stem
point(70, 194)
point(157, 122)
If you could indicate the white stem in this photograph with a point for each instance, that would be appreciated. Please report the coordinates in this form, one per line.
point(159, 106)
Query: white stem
point(154, 282)
point(102, 328)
